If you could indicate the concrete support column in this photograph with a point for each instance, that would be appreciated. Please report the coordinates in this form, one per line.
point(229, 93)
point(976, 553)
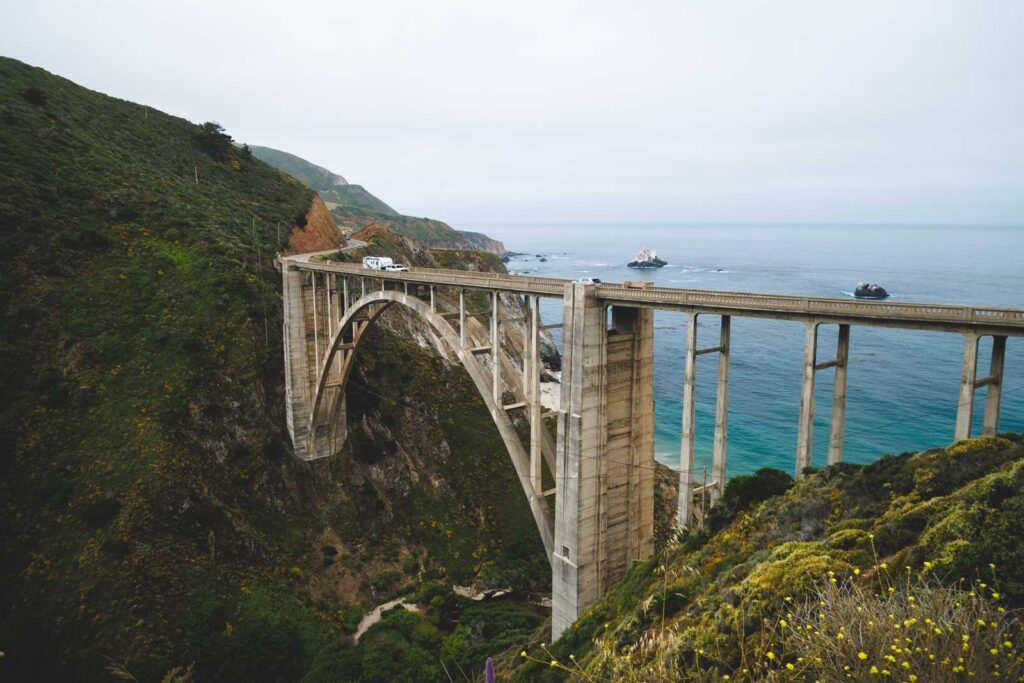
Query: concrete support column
point(344, 296)
point(574, 581)
point(805, 430)
point(531, 389)
point(296, 368)
point(685, 509)
point(433, 303)
point(337, 303)
point(721, 411)
point(362, 286)
point(837, 427)
point(605, 454)
point(995, 386)
point(628, 472)
point(495, 349)
point(462, 317)
point(330, 304)
point(968, 375)
point(316, 325)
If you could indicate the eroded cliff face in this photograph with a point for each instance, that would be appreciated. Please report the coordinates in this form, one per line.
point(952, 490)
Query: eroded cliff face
point(318, 234)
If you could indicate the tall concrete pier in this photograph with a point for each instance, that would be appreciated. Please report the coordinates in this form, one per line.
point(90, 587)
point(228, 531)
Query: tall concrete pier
point(590, 487)
point(604, 517)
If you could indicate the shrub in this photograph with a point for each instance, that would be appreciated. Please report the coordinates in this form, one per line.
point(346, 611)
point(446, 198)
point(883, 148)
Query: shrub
point(745, 490)
point(34, 96)
point(918, 631)
point(212, 139)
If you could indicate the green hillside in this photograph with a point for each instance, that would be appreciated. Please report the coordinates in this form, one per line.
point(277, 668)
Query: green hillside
point(316, 177)
point(334, 189)
point(151, 510)
point(355, 197)
point(911, 565)
point(353, 207)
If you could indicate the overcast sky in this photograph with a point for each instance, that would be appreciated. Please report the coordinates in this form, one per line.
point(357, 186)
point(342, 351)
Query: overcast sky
point(474, 111)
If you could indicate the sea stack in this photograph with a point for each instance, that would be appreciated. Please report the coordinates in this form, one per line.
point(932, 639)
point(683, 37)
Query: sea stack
point(647, 258)
point(869, 290)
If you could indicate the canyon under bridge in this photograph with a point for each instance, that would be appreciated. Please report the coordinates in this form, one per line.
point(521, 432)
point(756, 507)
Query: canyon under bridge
point(590, 486)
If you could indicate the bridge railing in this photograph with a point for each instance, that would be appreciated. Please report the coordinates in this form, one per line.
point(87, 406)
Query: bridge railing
point(817, 305)
point(670, 296)
point(548, 286)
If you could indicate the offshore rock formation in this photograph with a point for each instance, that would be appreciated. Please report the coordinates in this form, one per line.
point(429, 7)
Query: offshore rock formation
point(869, 290)
point(647, 258)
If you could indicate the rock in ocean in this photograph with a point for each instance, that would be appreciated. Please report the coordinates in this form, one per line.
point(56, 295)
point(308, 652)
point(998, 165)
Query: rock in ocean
point(869, 290)
point(647, 258)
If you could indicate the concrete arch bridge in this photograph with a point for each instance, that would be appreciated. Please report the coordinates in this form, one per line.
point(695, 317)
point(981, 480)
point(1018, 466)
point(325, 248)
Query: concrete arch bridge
point(587, 466)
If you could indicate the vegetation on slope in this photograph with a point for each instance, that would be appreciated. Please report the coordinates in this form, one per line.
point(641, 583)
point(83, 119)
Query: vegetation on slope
point(332, 188)
point(356, 209)
point(152, 513)
point(929, 538)
point(316, 177)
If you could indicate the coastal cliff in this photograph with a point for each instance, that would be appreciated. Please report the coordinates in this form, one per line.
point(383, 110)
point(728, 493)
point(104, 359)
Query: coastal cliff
point(354, 208)
point(152, 511)
point(316, 232)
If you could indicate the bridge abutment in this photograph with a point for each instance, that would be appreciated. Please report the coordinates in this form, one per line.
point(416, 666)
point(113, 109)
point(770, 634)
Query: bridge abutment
point(604, 514)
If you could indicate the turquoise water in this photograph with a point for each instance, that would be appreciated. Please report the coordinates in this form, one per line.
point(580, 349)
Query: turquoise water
point(903, 384)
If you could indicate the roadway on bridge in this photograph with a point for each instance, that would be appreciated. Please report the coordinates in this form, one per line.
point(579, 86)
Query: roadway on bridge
point(1005, 321)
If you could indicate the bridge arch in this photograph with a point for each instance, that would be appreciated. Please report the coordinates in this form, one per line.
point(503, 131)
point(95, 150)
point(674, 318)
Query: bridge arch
point(326, 430)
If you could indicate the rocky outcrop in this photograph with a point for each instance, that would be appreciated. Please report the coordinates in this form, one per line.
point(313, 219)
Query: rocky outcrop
point(869, 290)
point(647, 258)
point(476, 240)
point(318, 233)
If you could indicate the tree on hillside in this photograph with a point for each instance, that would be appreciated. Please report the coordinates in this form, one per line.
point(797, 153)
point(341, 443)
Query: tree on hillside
point(212, 139)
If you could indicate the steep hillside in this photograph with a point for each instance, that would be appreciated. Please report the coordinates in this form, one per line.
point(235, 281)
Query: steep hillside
point(151, 510)
point(355, 208)
point(317, 177)
point(315, 232)
point(355, 197)
point(910, 565)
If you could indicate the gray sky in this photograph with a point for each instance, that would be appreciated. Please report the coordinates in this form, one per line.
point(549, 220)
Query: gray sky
point(578, 111)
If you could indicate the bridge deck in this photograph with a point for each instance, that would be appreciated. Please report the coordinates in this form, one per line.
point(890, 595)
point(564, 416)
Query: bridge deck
point(1008, 321)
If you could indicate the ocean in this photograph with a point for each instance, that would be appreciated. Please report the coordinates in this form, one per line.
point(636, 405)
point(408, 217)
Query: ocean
point(902, 385)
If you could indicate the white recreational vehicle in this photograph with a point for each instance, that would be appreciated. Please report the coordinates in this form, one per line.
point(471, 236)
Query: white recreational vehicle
point(384, 263)
point(377, 262)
